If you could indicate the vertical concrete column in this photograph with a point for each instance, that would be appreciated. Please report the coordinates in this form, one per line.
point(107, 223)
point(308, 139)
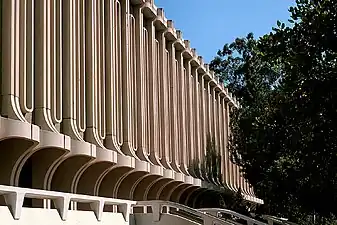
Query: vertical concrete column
point(118, 78)
point(56, 64)
point(153, 94)
point(190, 118)
point(95, 80)
point(211, 111)
point(181, 93)
point(17, 49)
point(27, 58)
point(208, 104)
point(163, 99)
point(133, 77)
point(216, 116)
point(228, 166)
point(246, 185)
point(145, 53)
point(48, 82)
point(42, 106)
point(10, 60)
point(140, 80)
point(232, 168)
point(167, 110)
point(220, 124)
point(236, 176)
point(112, 14)
point(159, 75)
point(224, 158)
point(249, 189)
point(73, 69)
point(211, 102)
point(242, 182)
point(127, 147)
point(173, 107)
point(196, 113)
point(101, 98)
point(203, 115)
point(216, 119)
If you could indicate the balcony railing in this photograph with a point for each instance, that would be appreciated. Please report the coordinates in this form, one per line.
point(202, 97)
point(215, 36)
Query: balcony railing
point(157, 208)
point(15, 196)
point(216, 212)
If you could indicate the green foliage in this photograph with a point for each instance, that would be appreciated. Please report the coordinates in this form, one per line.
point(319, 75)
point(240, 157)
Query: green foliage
point(284, 136)
point(247, 75)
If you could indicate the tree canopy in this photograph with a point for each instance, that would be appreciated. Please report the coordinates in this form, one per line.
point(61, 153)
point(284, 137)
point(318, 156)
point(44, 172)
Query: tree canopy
point(285, 135)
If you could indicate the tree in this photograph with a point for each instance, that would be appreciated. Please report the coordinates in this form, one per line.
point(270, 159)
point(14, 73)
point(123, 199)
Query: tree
point(284, 136)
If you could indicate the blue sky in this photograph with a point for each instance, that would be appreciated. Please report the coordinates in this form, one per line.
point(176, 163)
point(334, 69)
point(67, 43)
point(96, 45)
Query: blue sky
point(209, 24)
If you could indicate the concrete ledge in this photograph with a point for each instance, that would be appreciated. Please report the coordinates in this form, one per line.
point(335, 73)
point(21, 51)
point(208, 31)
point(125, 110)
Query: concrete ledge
point(10, 128)
point(15, 196)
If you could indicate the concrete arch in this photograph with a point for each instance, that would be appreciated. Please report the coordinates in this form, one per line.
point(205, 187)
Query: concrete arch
point(153, 189)
point(140, 186)
point(176, 193)
point(39, 160)
point(11, 157)
point(65, 171)
point(184, 193)
point(108, 181)
point(165, 191)
point(190, 201)
point(198, 198)
point(89, 175)
point(71, 165)
point(124, 188)
point(36, 167)
point(88, 179)
point(17, 138)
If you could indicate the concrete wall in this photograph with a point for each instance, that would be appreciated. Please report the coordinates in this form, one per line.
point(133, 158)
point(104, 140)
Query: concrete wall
point(106, 98)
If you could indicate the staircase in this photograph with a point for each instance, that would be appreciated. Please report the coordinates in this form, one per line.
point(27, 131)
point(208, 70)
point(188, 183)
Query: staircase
point(57, 208)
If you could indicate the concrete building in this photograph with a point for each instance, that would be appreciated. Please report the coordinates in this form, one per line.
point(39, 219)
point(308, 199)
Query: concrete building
point(105, 98)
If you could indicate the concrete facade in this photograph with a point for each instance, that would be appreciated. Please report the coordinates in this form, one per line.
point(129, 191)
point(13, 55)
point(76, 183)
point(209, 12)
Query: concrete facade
point(105, 98)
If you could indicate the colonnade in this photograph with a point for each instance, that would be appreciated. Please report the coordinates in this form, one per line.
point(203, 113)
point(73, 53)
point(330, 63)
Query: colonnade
point(104, 97)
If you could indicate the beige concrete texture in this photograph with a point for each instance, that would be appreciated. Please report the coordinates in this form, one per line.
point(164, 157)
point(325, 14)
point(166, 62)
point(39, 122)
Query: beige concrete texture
point(106, 98)
point(61, 210)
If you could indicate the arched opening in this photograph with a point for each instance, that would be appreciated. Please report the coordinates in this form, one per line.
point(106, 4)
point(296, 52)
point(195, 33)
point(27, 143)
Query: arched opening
point(192, 197)
point(63, 177)
point(34, 171)
point(25, 180)
point(12, 151)
point(166, 191)
point(126, 185)
point(138, 194)
point(175, 196)
point(26, 174)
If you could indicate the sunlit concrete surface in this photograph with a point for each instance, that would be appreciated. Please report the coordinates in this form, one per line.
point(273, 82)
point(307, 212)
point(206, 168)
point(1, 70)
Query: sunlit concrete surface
point(106, 98)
